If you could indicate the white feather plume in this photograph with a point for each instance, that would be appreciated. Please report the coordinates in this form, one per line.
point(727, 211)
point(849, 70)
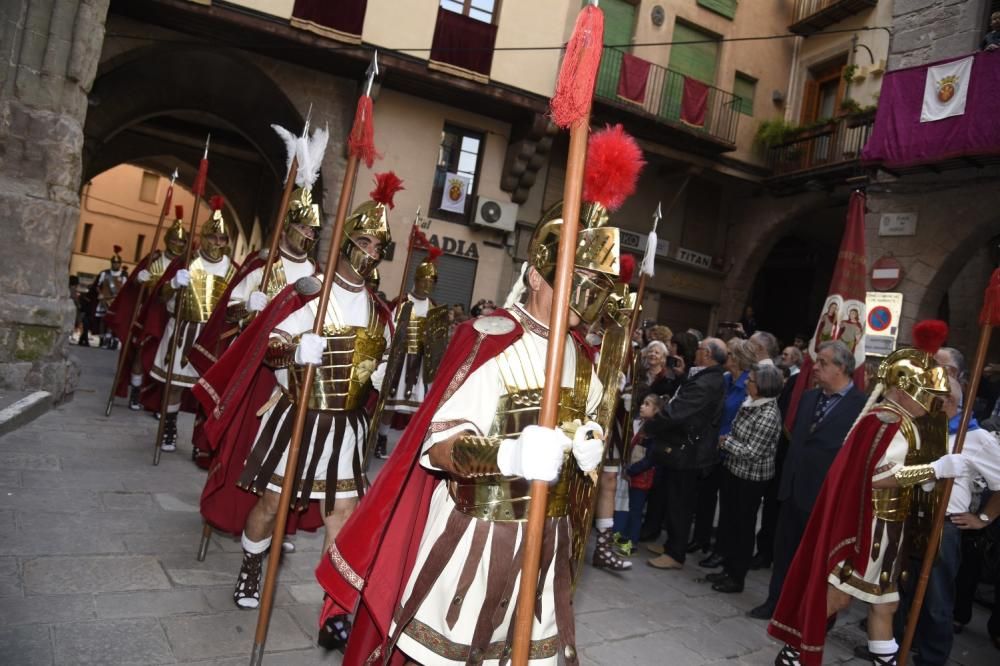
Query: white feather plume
point(291, 146)
point(517, 290)
point(310, 152)
point(649, 259)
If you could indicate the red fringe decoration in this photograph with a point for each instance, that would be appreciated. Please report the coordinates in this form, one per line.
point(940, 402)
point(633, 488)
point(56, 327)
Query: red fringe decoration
point(990, 314)
point(215, 202)
point(929, 335)
point(179, 211)
point(433, 253)
point(578, 72)
point(361, 141)
point(614, 160)
point(418, 239)
point(117, 248)
point(626, 268)
point(386, 186)
point(199, 180)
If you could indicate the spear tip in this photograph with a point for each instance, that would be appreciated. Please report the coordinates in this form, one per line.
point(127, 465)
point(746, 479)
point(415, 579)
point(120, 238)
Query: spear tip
point(173, 176)
point(208, 140)
point(659, 210)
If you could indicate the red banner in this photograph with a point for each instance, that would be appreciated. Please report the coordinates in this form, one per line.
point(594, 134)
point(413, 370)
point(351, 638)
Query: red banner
point(844, 314)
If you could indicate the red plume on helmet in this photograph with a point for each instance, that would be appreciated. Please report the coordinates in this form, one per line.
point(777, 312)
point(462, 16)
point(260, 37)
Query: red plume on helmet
point(386, 186)
point(117, 249)
point(626, 268)
point(179, 211)
point(614, 160)
point(216, 202)
point(929, 335)
point(433, 253)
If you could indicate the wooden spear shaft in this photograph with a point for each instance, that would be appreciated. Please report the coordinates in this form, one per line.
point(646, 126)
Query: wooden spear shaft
point(172, 347)
point(549, 413)
point(279, 225)
point(127, 342)
point(403, 282)
point(301, 406)
point(942, 507)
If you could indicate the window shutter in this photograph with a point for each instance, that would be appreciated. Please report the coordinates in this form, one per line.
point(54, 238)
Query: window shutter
point(619, 22)
point(810, 99)
point(725, 8)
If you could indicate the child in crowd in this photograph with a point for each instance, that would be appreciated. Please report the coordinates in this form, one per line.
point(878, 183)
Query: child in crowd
point(640, 472)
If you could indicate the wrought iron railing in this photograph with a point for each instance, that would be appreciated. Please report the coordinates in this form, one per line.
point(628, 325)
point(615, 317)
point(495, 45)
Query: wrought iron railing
point(836, 142)
point(803, 9)
point(662, 98)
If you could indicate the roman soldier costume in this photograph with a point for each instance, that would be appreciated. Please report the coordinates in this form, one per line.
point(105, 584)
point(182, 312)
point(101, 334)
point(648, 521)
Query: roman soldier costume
point(258, 382)
point(147, 273)
point(109, 283)
point(190, 295)
point(857, 535)
point(430, 562)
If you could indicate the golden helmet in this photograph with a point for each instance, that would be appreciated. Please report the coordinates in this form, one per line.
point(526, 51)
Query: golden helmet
point(371, 218)
point(427, 269)
point(216, 224)
point(914, 371)
point(177, 232)
point(301, 209)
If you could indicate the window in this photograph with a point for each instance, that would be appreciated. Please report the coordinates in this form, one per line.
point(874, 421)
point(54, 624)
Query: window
point(85, 241)
point(149, 187)
point(744, 88)
point(481, 10)
point(823, 92)
point(725, 8)
point(456, 174)
point(139, 242)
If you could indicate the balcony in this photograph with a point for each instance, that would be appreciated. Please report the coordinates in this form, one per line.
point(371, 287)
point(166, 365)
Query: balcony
point(824, 153)
point(703, 113)
point(811, 16)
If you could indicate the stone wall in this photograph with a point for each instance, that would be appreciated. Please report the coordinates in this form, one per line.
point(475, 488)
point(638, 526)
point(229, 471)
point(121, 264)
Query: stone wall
point(928, 30)
point(51, 50)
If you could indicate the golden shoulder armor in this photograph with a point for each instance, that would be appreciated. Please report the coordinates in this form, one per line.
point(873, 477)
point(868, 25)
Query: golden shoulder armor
point(308, 286)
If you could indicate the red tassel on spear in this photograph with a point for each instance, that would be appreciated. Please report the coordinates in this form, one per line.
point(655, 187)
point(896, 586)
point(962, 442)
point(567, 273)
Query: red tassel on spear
point(361, 140)
point(578, 72)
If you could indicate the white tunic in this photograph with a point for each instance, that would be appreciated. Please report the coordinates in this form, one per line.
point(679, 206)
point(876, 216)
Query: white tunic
point(294, 270)
point(398, 402)
point(472, 408)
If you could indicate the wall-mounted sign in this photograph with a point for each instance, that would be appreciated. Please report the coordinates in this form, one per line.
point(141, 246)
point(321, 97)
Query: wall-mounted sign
point(887, 273)
point(457, 247)
point(634, 241)
point(456, 186)
point(884, 310)
point(694, 258)
point(897, 224)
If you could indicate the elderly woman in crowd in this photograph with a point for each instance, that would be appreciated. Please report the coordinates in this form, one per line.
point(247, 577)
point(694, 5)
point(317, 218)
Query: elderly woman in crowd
point(748, 464)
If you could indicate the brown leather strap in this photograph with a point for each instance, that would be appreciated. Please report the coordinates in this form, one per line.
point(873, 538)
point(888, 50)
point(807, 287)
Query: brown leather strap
point(479, 534)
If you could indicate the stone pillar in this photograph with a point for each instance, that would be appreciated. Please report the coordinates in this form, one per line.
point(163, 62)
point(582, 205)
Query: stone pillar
point(51, 50)
point(929, 30)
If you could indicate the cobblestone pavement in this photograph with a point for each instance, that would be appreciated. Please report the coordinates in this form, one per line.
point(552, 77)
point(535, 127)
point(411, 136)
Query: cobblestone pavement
point(97, 566)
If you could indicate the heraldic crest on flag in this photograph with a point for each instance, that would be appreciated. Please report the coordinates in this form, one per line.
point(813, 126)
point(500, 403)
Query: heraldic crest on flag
point(946, 89)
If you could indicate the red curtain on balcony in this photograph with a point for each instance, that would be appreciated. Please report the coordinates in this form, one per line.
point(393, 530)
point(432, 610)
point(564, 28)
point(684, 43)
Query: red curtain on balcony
point(343, 16)
point(694, 102)
point(633, 77)
point(463, 42)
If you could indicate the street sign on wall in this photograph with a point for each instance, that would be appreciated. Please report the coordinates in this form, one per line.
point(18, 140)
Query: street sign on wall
point(884, 310)
point(887, 273)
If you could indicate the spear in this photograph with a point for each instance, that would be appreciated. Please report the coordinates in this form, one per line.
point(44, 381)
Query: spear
point(199, 191)
point(409, 253)
point(570, 108)
point(989, 317)
point(360, 145)
point(279, 224)
point(127, 344)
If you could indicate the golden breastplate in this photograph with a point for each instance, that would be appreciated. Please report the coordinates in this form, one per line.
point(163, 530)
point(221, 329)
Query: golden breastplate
point(893, 504)
point(203, 293)
point(157, 268)
point(500, 498)
point(343, 379)
point(415, 334)
point(277, 280)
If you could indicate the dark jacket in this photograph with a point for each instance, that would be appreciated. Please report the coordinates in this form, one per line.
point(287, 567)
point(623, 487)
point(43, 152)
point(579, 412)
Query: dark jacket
point(812, 451)
point(691, 419)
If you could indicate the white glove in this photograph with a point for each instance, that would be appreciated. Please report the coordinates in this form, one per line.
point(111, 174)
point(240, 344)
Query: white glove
point(257, 301)
point(588, 446)
point(310, 349)
point(144, 276)
point(536, 455)
point(627, 402)
point(950, 466)
point(181, 279)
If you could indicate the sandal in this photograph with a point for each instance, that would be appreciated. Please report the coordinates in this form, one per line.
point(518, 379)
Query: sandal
point(334, 633)
point(788, 656)
point(247, 592)
point(605, 556)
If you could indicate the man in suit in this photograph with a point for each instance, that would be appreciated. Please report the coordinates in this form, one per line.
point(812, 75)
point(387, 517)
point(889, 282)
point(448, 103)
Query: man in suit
point(825, 415)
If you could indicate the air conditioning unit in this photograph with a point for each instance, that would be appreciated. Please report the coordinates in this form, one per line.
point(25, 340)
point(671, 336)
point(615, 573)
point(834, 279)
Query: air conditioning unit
point(497, 215)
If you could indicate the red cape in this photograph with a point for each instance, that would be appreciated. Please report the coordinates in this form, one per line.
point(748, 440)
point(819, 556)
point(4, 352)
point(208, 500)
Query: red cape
point(378, 545)
point(218, 334)
point(119, 313)
point(231, 392)
point(839, 529)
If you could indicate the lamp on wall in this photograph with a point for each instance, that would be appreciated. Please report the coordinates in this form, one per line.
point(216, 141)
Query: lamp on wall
point(778, 97)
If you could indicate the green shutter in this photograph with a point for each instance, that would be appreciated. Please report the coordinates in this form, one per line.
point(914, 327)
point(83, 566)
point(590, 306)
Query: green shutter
point(694, 60)
point(744, 88)
point(725, 8)
point(619, 21)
